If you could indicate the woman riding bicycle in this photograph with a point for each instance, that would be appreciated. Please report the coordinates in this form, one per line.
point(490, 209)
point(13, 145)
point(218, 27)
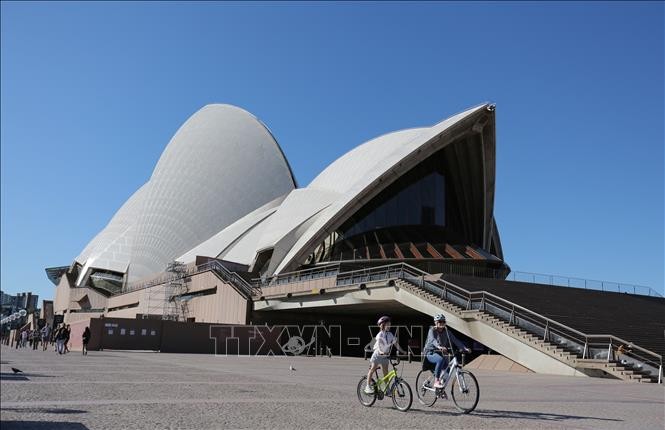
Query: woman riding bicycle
point(439, 341)
point(384, 342)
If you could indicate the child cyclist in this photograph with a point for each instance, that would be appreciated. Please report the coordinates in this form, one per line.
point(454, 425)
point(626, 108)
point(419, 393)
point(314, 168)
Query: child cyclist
point(382, 346)
point(439, 340)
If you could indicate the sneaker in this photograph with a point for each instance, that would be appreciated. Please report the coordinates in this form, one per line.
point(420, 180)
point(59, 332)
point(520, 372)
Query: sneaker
point(369, 390)
point(438, 384)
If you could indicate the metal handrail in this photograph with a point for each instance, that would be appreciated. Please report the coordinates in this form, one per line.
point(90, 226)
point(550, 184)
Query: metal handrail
point(551, 327)
point(534, 277)
point(299, 275)
point(162, 279)
point(230, 276)
point(590, 284)
point(213, 265)
point(515, 305)
point(553, 330)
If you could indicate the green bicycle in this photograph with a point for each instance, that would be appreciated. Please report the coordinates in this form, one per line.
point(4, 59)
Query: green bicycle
point(391, 385)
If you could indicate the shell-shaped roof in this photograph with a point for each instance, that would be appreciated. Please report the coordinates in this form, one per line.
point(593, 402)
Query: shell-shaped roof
point(306, 214)
point(222, 164)
point(351, 167)
point(222, 188)
point(359, 173)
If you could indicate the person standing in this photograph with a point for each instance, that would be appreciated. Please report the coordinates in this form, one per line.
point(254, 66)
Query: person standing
point(68, 332)
point(35, 339)
point(60, 340)
point(24, 338)
point(85, 338)
point(46, 334)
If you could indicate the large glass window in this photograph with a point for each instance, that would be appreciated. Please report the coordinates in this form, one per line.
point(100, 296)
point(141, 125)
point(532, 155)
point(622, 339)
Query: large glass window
point(433, 212)
point(417, 198)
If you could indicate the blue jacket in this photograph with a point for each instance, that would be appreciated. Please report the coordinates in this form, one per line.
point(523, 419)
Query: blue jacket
point(435, 340)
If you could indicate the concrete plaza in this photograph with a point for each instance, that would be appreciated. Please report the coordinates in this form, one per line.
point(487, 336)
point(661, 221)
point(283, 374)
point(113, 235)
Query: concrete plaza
point(129, 390)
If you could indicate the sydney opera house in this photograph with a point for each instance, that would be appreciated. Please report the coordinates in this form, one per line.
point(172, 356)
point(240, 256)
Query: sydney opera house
point(223, 190)
point(221, 234)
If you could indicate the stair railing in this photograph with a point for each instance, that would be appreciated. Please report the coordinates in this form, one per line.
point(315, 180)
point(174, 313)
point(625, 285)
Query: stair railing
point(238, 281)
point(582, 345)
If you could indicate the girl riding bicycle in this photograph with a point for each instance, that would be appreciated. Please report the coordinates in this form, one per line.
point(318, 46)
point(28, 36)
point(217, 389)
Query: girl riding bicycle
point(439, 340)
point(382, 346)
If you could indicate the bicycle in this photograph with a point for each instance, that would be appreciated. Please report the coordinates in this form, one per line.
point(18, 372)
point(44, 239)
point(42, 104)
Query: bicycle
point(464, 388)
point(391, 385)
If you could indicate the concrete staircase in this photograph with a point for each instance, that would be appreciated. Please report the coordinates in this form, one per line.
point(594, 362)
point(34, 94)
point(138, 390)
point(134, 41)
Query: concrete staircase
point(562, 353)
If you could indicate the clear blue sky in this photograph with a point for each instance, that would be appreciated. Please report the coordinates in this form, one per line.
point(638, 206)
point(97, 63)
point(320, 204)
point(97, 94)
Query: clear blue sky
point(92, 92)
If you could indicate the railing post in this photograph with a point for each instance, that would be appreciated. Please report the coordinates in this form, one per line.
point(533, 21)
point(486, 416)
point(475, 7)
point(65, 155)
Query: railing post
point(586, 345)
point(609, 351)
point(547, 327)
point(660, 373)
point(512, 315)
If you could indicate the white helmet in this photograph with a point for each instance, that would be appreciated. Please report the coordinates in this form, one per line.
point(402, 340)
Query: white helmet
point(439, 317)
point(383, 319)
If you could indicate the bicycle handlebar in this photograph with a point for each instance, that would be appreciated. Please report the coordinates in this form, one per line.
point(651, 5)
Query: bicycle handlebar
point(450, 352)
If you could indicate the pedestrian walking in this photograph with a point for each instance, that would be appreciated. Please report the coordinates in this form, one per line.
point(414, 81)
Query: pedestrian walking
point(46, 336)
point(85, 338)
point(68, 333)
point(35, 339)
point(60, 340)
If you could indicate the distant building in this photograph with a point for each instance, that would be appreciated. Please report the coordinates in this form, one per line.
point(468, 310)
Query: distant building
point(11, 304)
point(46, 312)
point(27, 301)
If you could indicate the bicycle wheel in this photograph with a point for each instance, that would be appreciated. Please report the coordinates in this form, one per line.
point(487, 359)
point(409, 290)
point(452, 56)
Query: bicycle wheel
point(424, 388)
point(402, 395)
point(465, 391)
point(365, 398)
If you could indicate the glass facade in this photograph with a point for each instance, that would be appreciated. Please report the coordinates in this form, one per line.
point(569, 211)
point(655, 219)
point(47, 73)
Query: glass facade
point(433, 212)
point(417, 198)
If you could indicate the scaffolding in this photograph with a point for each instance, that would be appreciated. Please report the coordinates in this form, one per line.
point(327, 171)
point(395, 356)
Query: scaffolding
point(166, 301)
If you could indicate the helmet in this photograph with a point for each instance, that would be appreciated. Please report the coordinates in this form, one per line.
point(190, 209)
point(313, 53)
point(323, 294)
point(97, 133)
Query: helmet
point(383, 319)
point(439, 317)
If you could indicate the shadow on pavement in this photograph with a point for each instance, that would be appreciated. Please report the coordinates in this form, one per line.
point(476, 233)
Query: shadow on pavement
point(47, 410)
point(493, 413)
point(6, 376)
point(39, 425)
point(542, 416)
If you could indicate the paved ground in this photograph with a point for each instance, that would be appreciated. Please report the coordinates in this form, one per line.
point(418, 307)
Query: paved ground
point(128, 390)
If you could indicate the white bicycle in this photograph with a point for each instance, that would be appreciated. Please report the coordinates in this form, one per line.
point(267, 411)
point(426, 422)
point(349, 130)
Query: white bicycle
point(464, 387)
